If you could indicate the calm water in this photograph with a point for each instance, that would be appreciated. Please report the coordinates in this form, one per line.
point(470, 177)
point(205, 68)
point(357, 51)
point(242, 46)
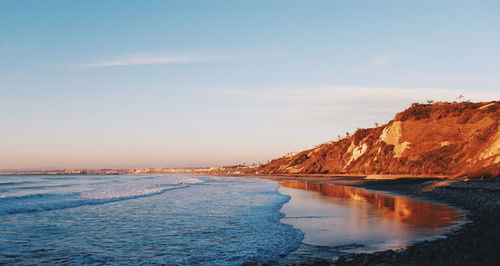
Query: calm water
point(186, 220)
point(355, 219)
point(141, 220)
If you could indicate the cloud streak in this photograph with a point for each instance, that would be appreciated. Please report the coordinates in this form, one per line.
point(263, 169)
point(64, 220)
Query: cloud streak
point(381, 61)
point(254, 111)
point(143, 59)
point(338, 94)
point(337, 101)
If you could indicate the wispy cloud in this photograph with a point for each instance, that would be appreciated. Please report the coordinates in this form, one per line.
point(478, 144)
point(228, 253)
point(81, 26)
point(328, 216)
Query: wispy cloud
point(339, 101)
point(254, 111)
point(339, 94)
point(454, 77)
point(381, 61)
point(143, 59)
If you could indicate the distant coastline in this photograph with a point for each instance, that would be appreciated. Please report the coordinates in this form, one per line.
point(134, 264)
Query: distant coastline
point(239, 169)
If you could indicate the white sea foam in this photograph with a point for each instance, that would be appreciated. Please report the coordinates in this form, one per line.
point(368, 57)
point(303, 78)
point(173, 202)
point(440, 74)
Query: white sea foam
point(91, 191)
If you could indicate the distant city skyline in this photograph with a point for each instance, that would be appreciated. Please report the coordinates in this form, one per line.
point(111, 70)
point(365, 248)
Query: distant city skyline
point(133, 84)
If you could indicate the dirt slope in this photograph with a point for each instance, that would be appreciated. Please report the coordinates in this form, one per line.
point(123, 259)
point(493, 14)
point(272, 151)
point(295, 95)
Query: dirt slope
point(452, 139)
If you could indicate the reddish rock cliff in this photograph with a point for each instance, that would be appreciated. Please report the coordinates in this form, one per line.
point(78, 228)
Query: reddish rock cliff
point(452, 139)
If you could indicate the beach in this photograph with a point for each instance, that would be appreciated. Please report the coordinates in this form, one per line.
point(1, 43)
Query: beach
point(276, 220)
point(250, 132)
point(474, 242)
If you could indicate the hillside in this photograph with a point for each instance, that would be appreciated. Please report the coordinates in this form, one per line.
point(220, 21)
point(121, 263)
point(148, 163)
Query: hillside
point(450, 139)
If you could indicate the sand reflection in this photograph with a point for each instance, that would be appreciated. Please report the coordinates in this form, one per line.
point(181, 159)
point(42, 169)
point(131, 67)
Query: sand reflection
point(392, 207)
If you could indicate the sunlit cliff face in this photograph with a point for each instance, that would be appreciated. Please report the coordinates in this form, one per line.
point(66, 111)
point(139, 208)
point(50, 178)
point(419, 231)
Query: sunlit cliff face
point(401, 209)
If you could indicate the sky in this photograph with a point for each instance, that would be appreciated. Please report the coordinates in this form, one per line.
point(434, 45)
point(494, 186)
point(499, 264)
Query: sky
point(127, 84)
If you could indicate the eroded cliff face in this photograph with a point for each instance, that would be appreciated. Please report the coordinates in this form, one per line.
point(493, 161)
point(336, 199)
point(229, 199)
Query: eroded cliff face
point(452, 139)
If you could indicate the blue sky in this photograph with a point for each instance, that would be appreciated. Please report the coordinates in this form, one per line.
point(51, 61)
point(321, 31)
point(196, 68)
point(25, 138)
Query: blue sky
point(92, 84)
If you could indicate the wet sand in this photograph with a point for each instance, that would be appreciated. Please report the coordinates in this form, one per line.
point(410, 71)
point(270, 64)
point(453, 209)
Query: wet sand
point(474, 243)
point(332, 215)
point(345, 219)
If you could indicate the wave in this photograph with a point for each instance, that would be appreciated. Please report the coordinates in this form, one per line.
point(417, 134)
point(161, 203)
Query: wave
point(16, 183)
point(59, 177)
point(38, 196)
point(40, 187)
point(102, 177)
point(311, 217)
point(46, 202)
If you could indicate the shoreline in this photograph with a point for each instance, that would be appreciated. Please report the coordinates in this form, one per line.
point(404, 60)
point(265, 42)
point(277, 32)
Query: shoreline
point(334, 220)
point(474, 242)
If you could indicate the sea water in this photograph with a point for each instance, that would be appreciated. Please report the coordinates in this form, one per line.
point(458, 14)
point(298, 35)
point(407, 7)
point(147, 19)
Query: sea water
point(142, 219)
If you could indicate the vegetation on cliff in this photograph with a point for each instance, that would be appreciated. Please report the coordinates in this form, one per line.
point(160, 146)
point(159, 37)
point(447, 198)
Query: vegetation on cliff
point(449, 139)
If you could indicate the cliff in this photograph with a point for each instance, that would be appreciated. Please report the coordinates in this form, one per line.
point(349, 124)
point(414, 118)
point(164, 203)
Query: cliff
point(445, 139)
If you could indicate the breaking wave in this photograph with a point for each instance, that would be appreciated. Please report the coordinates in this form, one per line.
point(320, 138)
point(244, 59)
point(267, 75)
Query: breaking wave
point(100, 194)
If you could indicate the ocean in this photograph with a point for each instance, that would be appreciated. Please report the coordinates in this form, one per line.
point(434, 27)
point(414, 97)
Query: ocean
point(142, 219)
point(201, 220)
